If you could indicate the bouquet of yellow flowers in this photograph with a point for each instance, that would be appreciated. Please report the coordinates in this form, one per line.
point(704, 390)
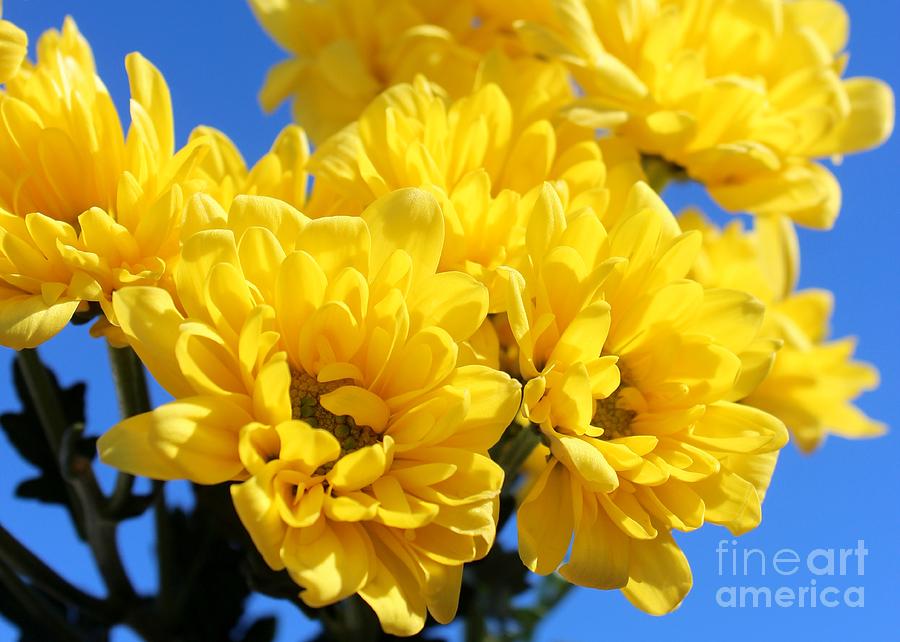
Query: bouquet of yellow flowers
point(452, 295)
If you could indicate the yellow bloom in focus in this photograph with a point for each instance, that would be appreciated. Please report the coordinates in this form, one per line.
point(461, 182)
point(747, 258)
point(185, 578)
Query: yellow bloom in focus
point(13, 48)
point(742, 94)
point(346, 52)
point(316, 364)
point(83, 209)
point(485, 157)
point(813, 381)
point(631, 373)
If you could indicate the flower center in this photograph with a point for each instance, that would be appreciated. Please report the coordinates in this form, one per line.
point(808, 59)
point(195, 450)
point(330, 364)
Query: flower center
point(615, 420)
point(305, 393)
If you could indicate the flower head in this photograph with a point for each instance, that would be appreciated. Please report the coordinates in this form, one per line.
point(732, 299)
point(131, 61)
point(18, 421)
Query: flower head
point(742, 94)
point(485, 157)
point(83, 209)
point(631, 374)
point(315, 362)
point(86, 210)
point(813, 381)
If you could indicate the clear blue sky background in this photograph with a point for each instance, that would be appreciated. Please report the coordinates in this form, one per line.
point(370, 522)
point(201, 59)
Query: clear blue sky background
point(214, 57)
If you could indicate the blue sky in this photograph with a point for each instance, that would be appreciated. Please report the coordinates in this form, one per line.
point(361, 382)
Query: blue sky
point(214, 57)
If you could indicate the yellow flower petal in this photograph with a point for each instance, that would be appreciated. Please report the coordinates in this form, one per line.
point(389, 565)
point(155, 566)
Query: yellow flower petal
point(366, 408)
point(13, 47)
point(336, 242)
point(546, 520)
point(394, 593)
point(259, 515)
point(151, 321)
point(149, 90)
point(27, 321)
point(659, 575)
point(309, 446)
point(600, 553)
point(361, 468)
point(408, 220)
point(331, 563)
point(198, 435)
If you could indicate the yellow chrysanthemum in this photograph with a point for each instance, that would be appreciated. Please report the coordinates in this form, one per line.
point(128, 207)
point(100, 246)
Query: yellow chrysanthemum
point(316, 364)
point(813, 382)
point(631, 371)
point(742, 94)
point(485, 157)
point(13, 48)
point(83, 210)
point(346, 52)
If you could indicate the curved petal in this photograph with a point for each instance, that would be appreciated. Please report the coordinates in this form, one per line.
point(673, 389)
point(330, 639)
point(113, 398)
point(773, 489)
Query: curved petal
point(546, 521)
point(600, 553)
point(26, 320)
point(151, 322)
point(198, 435)
point(259, 515)
point(330, 563)
point(409, 220)
point(659, 575)
point(13, 47)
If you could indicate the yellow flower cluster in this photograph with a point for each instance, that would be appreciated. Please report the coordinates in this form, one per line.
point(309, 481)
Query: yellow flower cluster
point(743, 95)
point(471, 255)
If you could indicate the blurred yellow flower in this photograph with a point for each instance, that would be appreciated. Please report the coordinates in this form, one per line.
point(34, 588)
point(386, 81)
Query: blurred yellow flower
point(13, 48)
point(813, 381)
point(631, 372)
point(83, 210)
point(485, 157)
point(742, 94)
point(346, 52)
point(316, 364)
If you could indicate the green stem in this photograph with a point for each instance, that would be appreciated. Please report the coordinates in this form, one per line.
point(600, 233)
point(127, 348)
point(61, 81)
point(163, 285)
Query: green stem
point(515, 451)
point(99, 531)
point(131, 382)
point(165, 554)
point(43, 393)
point(23, 561)
point(661, 172)
point(134, 399)
point(35, 608)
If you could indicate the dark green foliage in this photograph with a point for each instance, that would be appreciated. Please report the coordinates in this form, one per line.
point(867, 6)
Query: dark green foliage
point(24, 431)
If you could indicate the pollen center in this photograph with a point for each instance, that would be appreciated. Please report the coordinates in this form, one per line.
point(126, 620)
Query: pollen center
point(305, 393)
point(615, 420)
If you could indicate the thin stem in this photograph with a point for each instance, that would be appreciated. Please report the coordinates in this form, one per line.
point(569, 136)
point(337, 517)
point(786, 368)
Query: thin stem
point(24, 562)
point(131, 382)
point(43, 393)
point(134, 399)
point(100, 532)
point(33, 606)
point(515, 451)
point(50, 413)
point(121, 494)
point(165, 550)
